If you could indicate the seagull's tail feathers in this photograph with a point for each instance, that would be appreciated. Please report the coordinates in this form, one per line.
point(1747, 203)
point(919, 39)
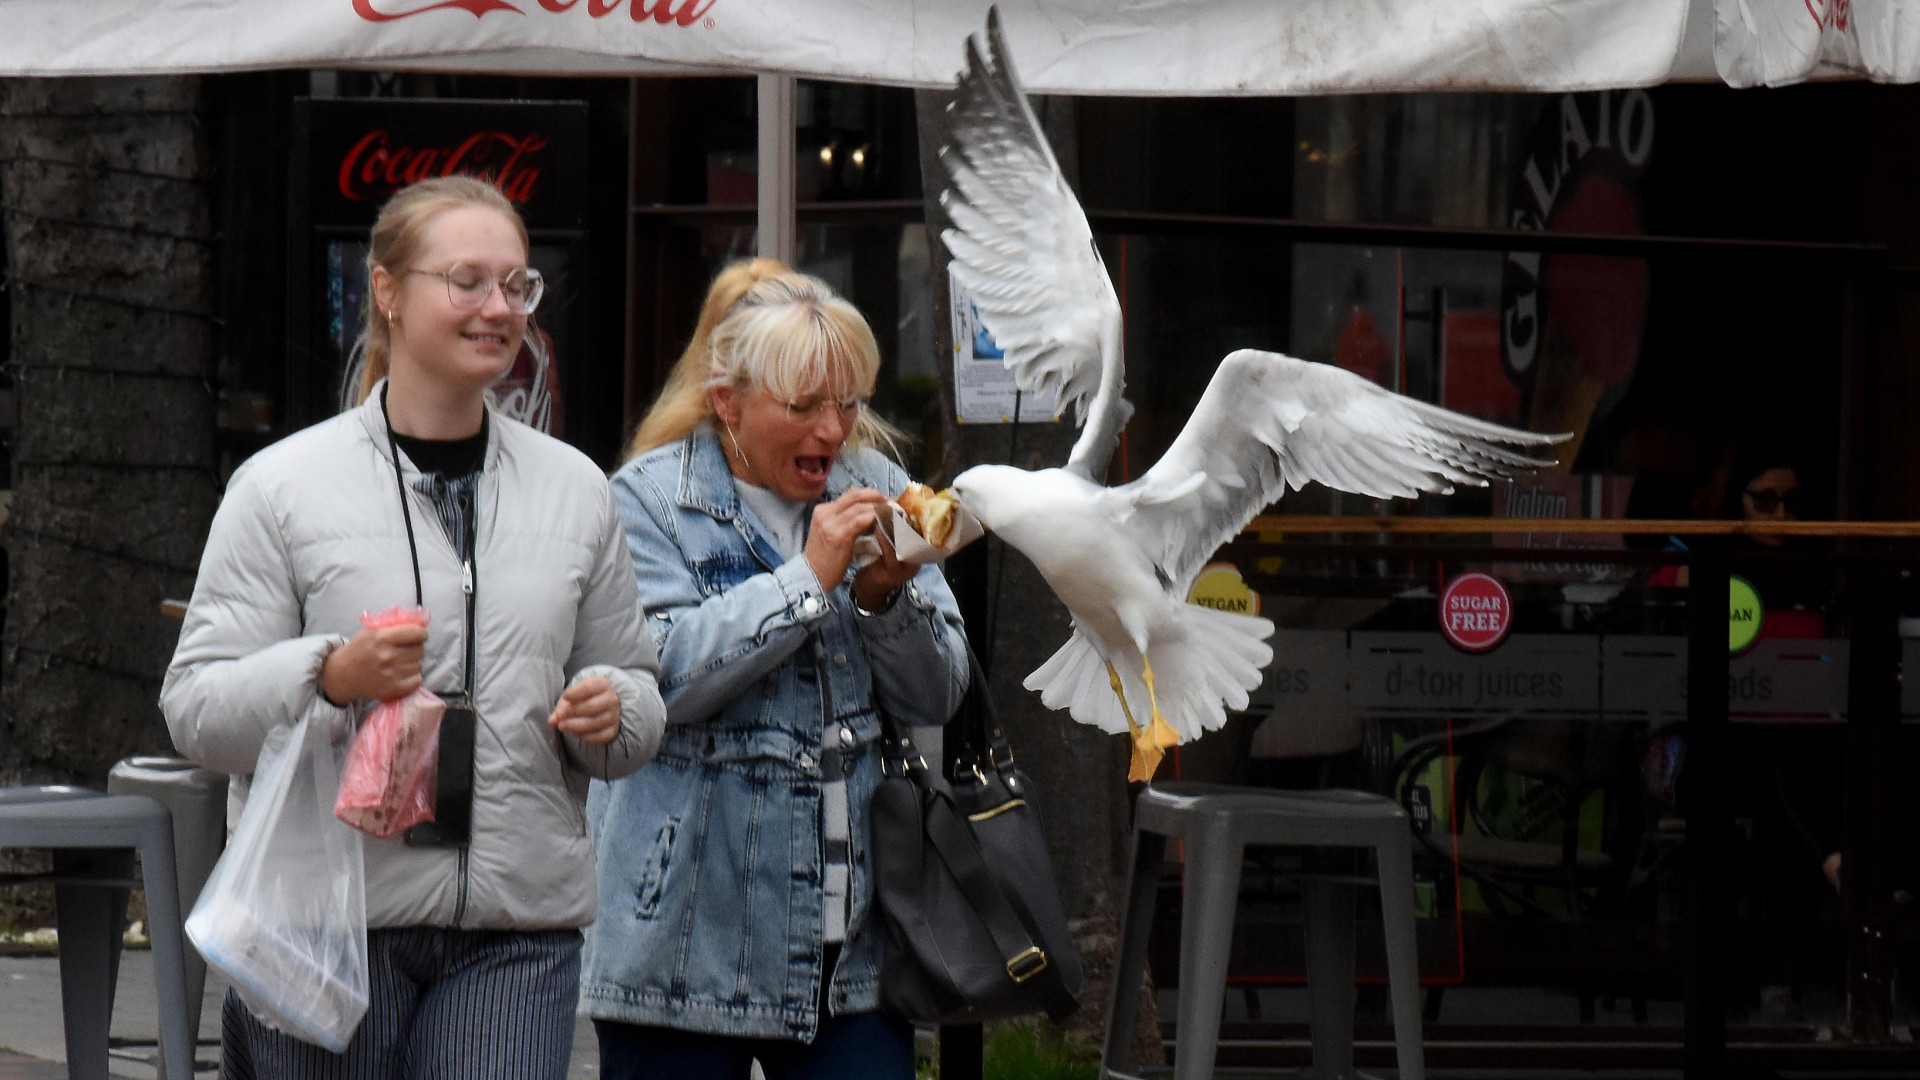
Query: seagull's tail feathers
point(1206, 665)
point(1076, 679)
point(1205, 662)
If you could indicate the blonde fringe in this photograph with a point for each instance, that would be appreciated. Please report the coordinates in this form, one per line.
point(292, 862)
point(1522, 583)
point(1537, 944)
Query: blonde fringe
point(776, 329)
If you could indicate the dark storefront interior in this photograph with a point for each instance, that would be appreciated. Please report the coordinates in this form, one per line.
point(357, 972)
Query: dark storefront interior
point(1739, 298)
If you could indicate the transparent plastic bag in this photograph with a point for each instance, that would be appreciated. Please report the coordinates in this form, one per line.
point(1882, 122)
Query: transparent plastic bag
point(388, 784)
point(284, 914)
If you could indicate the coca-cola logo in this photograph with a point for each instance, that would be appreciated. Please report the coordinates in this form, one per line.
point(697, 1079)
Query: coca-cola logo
point(375, 167)
point(1835, 13)
point(663, 12)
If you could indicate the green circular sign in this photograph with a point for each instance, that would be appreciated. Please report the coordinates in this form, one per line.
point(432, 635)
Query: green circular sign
point(1745, 613)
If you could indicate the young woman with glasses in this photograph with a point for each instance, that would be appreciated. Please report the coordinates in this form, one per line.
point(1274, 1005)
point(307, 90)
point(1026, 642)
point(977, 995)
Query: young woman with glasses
point(424, 495)
point(735, 882)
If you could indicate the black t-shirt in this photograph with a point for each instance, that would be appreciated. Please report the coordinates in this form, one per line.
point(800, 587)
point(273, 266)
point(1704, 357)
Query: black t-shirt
point(451, 458)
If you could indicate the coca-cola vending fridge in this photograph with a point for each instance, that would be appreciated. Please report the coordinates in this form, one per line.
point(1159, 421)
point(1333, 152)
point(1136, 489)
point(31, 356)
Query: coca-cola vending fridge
point(350, 154)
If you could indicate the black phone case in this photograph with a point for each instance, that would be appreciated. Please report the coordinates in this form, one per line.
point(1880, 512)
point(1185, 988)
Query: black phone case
point(452, 822)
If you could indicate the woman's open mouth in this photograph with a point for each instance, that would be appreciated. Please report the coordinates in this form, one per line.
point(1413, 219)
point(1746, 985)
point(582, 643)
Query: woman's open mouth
point(813, 470)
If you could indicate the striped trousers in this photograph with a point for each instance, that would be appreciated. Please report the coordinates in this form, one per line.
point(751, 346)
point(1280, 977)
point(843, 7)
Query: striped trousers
point(444, 1005)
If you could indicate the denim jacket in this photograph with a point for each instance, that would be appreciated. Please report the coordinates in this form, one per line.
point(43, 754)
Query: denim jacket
point(710, 863)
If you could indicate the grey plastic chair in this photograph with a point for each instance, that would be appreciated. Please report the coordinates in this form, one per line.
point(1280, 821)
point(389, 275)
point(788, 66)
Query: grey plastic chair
point(197, 799)
point(1217, 823)
point(93, 837)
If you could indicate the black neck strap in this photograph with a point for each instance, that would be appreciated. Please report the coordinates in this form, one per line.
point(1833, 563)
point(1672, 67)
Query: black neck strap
point(400, 484)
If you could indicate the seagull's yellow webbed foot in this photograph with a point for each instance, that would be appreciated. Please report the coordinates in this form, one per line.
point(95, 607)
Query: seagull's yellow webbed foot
point(1159, 732)
point(1146, 756)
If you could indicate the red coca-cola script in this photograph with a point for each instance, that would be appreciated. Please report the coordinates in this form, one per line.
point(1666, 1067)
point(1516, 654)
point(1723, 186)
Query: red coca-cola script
point(376, 166)
point(663, 12)
point(1831, 13)
point(1475, 612)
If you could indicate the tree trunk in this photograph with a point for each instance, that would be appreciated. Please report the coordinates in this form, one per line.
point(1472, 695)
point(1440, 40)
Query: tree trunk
point(1079, 771)
point(112, 284)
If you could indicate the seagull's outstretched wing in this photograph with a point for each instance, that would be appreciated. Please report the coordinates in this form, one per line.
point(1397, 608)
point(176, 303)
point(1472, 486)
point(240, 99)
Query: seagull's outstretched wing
point(1022, 248)
point(1269, 422)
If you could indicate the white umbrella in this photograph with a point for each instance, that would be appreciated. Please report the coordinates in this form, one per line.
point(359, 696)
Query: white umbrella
point(1130, 47)
point(1193, 48)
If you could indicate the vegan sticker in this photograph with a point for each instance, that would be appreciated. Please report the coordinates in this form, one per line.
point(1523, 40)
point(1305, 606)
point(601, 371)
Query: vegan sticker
point(1744, 615)
point(1220, 587)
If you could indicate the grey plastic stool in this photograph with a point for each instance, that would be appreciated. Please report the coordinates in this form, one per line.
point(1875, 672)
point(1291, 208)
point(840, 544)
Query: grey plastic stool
point(93, 837)
point(197, 799)
point(1217, 824)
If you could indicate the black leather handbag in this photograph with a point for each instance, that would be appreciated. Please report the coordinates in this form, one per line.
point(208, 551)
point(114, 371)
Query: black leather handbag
point(963, 884)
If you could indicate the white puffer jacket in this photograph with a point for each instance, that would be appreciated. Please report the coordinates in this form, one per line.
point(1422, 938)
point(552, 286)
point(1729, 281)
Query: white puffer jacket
point(310, 535)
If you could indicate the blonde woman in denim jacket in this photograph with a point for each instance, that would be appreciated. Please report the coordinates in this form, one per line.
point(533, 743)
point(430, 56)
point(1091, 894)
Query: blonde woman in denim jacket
point(735, 881)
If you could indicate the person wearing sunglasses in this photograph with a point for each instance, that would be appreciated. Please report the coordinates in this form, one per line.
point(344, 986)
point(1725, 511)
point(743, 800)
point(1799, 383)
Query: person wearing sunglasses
point(423, 494)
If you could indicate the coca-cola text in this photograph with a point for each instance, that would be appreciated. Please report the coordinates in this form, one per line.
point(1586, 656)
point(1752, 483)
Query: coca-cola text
point(663, 12)
point(375, 168)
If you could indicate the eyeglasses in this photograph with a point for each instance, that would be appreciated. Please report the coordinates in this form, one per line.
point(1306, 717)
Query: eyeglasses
point(469, 286)
point(812, 410)
point(1766, 500)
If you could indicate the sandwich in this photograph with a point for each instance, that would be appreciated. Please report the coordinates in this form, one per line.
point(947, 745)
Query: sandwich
point(929, 511)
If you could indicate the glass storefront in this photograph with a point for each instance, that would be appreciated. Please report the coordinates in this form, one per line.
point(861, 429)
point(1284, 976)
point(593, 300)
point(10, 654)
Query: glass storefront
point(1560, 783)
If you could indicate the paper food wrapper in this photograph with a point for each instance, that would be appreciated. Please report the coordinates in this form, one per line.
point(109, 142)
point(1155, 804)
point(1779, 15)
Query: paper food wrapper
point(909, 546)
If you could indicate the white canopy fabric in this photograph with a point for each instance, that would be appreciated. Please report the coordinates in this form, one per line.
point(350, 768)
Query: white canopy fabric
point(1774, 42)
point(1123, 47)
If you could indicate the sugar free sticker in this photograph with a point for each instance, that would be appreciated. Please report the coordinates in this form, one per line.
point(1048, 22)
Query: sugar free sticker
point(1476, 612)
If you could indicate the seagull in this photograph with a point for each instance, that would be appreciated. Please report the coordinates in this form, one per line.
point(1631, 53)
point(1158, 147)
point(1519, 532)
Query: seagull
point(1141, 659)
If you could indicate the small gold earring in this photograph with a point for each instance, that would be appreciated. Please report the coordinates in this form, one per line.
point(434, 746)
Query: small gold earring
point(389, 316)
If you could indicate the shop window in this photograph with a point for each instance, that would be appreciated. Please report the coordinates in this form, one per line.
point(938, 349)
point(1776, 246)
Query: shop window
point(1548, 775)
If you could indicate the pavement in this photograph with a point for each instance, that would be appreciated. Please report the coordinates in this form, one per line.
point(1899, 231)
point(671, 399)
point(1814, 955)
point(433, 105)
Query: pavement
point(33, 1042)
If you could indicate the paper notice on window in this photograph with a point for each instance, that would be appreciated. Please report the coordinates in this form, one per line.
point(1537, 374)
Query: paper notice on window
point(983, 388)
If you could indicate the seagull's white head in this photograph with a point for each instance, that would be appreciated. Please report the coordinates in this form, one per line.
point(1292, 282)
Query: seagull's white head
point(990, 492)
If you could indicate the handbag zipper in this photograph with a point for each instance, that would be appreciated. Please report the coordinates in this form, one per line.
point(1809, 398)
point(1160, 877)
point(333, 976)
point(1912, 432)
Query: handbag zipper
point(990, 814)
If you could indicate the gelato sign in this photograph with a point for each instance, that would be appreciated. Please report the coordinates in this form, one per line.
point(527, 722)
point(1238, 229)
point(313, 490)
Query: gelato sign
point(1475, 612)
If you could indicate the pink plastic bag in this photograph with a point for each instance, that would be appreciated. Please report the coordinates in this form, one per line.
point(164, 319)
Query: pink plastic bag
point(388, 782)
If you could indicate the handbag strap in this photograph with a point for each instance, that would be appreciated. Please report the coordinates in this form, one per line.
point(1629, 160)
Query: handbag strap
point(973, 736)
point(973, 726)
point(999, 907)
